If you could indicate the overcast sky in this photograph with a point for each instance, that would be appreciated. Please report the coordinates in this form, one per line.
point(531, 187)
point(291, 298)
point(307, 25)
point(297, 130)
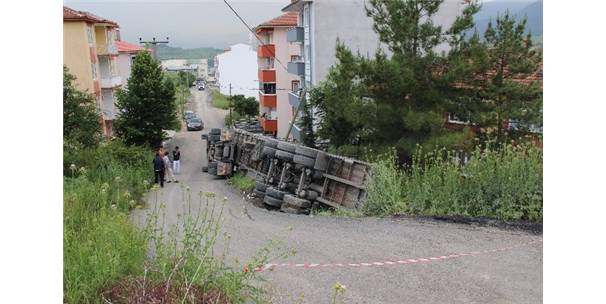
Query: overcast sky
point(187, 23)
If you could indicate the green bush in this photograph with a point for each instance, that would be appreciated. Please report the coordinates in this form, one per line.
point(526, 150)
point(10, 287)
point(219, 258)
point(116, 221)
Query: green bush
point(503, 182)
point(242, 182)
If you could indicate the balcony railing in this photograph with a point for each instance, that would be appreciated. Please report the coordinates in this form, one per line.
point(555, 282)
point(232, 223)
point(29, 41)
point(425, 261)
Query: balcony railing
point(296, 68)
point(106, 49)
point(267, 75)
point(111, 82)
point(269, 101)
point(294, 99)
point(266, 51)
point(295, 34)
point(269, 125)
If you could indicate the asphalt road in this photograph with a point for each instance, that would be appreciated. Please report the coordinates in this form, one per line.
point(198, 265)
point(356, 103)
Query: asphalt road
point(509, 275)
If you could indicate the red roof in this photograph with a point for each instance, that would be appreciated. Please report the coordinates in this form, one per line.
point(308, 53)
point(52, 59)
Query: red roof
point(70, 14)
point(125, 47)
point(288, 19)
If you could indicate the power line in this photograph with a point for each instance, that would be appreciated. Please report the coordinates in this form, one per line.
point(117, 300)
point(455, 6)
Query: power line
point(255, 34)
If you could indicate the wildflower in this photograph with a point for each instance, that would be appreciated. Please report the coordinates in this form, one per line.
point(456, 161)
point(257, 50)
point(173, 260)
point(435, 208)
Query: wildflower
point(72, 166)
point(209, 194)
point(145, 182)
point(82, 170)
point(225, 198)
point(117, 178)
point(132, 203)
point(114, 207)
point(126, 194)
point(339, 288)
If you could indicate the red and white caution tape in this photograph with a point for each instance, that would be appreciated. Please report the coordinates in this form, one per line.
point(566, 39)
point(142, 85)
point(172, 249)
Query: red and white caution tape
point(390, 263)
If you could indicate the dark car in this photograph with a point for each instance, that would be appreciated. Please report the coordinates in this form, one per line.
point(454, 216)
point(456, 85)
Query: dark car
point(195, 124)
point(188, 116)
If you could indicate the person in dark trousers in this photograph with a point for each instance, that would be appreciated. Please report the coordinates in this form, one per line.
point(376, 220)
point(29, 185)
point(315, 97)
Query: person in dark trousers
point(159, 169)
point(176, 160)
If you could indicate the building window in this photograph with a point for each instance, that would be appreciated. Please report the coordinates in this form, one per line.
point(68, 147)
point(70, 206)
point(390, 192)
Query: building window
point(269, 88)
point(295, 85)
point(89, 35)
point(94, 71)
point(295, 58)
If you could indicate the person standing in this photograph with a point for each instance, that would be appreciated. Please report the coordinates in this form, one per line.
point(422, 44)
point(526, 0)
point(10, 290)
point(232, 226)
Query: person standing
point(176, 160)
point(159, 168)
point(169, 176)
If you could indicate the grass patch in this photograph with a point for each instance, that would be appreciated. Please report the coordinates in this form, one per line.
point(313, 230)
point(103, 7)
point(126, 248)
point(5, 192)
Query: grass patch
point(219, 100)
point(340, 212)
point(502, 182)
point(108, 259)
point(242, 182)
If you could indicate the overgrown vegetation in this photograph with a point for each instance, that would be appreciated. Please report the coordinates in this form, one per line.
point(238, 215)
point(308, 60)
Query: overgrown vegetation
point(500, 181)
point(80, 118)
point(241, 182)
point(219, 100)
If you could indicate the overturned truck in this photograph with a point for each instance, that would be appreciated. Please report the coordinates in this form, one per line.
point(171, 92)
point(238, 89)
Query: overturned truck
point(289, 177)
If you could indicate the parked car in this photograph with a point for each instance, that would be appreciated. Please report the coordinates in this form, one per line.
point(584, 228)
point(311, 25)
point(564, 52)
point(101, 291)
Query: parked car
point(195, 124)
point(187, 114)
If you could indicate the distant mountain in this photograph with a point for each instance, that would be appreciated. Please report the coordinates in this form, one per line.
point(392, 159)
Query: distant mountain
point(532, 10)
point(168, 52)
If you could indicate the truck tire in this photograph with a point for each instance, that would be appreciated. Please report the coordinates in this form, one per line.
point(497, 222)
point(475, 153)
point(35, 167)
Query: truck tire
point(321, 162)
point(306, 151)
point(304, 161)
point(283, 155)
point(270, 142)
point(288, 147)
point(204, 136)
point(272, 201)
point(204, 168)
point(268, 151)
point(317, 175)
point(309, 194)
point(259, 194)
point(215, 131)
point(260, 186)
point(294, 201)
point(273, 192)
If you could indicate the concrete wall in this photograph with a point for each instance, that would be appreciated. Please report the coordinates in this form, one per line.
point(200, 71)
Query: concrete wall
point(238, 66)
point(284, 50)
point(76, 54)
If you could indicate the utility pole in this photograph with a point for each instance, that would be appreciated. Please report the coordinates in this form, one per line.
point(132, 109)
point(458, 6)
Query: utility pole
point(153, 43)
point(231, 119)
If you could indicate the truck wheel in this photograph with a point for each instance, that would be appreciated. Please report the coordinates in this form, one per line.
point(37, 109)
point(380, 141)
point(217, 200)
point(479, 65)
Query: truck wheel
point(296, 202)
point(270, 142)
point(317, 175)
point(268, 151)
point(204, 168)
point(285, 156)
point(259, 194)
point(272, 201)
point(306, 151)
point(289, 209)
point(309, 194)
point(288, 147)
point(215, 131)
point(260, 186)
point(273, 192)
point(316, 187)
point(321, 162)
point(304, 161)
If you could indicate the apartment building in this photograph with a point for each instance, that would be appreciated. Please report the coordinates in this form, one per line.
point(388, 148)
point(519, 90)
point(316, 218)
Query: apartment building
point(90, 53)
point(275, 82)
point(126, 55)
point(321, 22)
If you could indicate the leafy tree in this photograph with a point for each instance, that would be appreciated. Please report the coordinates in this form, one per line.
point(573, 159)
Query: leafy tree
point(80, 119)
point(147, 106)
point(245, 106)
point(490, 90)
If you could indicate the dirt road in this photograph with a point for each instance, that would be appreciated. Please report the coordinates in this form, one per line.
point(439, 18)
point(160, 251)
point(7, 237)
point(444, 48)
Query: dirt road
point(378, 260)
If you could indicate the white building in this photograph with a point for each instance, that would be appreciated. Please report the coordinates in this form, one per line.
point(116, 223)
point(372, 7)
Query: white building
point(321, 22)
point(126, 54)
point(238, 66)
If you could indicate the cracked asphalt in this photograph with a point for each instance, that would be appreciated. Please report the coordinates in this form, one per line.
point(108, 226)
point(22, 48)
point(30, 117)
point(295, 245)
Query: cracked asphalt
point(509, 276)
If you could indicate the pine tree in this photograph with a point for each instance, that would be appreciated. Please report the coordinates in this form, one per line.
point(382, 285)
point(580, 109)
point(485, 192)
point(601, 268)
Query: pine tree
point(490, 90)
point(147, 106)
point(80, 118)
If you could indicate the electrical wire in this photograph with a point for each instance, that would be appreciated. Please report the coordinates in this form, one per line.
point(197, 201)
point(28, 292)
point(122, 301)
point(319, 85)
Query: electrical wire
point(255, 34)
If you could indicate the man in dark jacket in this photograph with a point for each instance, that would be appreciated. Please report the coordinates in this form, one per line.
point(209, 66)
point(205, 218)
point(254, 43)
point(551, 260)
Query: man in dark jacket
point(159, 169)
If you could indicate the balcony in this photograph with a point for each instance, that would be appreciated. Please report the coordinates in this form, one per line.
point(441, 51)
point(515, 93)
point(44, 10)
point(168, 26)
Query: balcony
point(104, 49)
point(266, 51)
point(111, 82)
point(294, 99)
point(296, 68)
point(267, 75)
point(269, 125)
point(295, 34)
point(268, 100)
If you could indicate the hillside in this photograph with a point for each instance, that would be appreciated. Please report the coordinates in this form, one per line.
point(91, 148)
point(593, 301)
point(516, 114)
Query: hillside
point(168, 52)
point(532, 10)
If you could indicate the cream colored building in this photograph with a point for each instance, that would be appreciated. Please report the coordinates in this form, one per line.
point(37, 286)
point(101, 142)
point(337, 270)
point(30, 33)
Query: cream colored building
point(90, 53)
